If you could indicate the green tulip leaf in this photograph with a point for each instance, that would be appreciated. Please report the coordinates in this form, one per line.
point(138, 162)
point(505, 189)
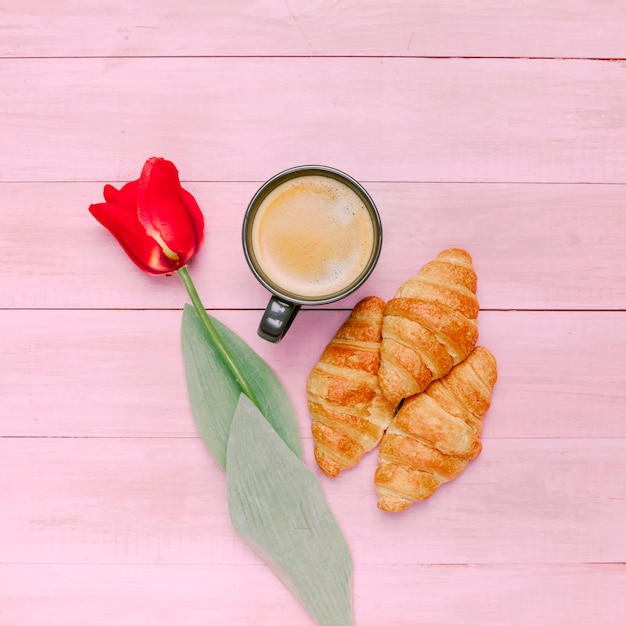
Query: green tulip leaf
point(278, 507)
point(214, 393)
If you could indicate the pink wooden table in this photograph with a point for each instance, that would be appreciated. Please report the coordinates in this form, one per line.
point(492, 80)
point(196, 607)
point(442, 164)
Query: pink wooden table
point(496, 127)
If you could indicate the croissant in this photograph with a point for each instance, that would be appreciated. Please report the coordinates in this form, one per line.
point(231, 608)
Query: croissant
point(435, 433)
point(429, 326)
point(349, 413)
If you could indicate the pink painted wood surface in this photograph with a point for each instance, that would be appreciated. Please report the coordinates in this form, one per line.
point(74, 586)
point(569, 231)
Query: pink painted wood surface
point(170, 593)
point(142, 500)
point(237, 119)
point(549, 247)
point(498, 129)
point(131, 393)
point(528, 28)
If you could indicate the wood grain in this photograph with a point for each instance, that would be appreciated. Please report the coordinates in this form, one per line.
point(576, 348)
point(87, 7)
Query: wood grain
point(528, 28)
point(507, 120)
point(534, 246)
point(164, 501)
point(72, 374)
point(161, 594)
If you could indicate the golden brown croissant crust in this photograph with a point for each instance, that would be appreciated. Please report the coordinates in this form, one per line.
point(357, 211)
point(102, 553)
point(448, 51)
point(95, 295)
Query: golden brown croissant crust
point(349, 413)
point(429, 326)
point(435, 433)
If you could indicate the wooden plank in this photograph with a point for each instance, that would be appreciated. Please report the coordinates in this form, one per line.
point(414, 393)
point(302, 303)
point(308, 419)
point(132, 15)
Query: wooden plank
point(72, 500)
point(528, 28)
point(73, 595)
point(534, 246)
point(72, 373)
point(493, 120)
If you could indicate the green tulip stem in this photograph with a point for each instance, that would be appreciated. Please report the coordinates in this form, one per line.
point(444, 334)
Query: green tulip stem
point(215, 337)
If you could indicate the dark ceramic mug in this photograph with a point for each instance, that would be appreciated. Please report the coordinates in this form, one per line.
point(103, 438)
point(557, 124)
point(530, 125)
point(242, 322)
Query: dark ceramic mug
point(311, 235)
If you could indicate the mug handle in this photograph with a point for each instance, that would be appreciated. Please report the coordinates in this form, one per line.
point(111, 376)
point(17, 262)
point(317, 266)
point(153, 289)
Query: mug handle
point(277, 319)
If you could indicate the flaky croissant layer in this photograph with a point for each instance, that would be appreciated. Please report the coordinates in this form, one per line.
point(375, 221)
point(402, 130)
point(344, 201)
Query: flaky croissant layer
point(435, 433)
point(349, 413)
point(429, 326)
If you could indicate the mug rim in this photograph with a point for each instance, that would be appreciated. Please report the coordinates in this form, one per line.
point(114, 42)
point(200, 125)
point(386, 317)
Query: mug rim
point(296, 172)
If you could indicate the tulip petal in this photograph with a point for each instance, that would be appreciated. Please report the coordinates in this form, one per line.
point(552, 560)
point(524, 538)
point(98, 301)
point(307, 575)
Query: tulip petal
point(142, 249)
point(195, 213)
point(126, 196)
point(162, 211)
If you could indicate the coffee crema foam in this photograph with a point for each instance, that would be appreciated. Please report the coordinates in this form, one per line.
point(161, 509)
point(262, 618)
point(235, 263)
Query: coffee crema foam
point(312, 236)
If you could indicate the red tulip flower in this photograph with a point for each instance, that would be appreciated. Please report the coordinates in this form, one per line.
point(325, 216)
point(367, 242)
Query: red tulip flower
point(157, 222)
point(160, 226)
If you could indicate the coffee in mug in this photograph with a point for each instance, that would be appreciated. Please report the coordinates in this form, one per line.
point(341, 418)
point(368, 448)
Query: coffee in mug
point(311, 235)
